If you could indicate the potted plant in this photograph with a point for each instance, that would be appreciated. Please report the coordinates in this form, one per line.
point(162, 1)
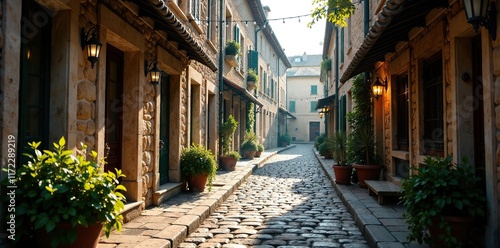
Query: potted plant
point(341, 169)
point(252, 79)
point(198, 167)
point(326, 148)
point(66, 199)
point(260, 149)
point(442, 201)
point(249, 145)
point(361, 144)
point(229, 158)
point(285, 140)
point(232, 51)
point(318, 140)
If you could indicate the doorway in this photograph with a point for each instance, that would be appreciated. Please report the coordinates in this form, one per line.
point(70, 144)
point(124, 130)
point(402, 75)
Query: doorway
point(114, 108)
point(478, 110)
point(313, 130)
point(164, 128)
point(34, 80)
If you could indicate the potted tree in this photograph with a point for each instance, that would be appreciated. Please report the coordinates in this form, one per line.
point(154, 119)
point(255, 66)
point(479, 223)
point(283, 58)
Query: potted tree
point(341, 169)
point(229, 158)
point(442, 201)
point(361, 144)
point(252, 79)
point(66, 199)
point(260, 149)
point(249, 145)
point(232, 50)
point(198, 167)
point(326, 148)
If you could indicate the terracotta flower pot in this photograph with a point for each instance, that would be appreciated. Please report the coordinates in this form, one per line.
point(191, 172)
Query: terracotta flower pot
point(197, 183)
point(228, 163)
point(86, 237)
point(460, 229)
point(258, 153)
point(249, 154)
point(342, 174)
point(367, 172)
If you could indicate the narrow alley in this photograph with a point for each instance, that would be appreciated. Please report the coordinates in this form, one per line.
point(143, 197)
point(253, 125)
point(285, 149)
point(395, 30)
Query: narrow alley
point(289, 202)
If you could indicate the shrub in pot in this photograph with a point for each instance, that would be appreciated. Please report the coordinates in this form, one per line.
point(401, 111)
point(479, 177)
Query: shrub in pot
point(260, 149)
point(249, 145)
point(341, 169)
point(252, 79)
point(438, 195)
point(229, 158)
point(326, 148)
point(285, 139)
point(198, 167)
point(232, 47)
point(59, 193)
point(318, 140)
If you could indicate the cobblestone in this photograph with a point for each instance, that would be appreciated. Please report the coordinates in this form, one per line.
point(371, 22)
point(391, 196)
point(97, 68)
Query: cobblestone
point(287, 203)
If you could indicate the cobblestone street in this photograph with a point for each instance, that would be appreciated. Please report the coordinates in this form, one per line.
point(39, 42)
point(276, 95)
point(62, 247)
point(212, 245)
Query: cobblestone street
point(288, 202)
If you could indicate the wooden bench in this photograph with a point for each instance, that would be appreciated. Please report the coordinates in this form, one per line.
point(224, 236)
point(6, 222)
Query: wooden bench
point(382, 188)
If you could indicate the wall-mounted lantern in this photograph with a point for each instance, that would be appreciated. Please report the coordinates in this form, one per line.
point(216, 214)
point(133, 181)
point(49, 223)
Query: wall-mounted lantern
point(154, 73)
point(378, 86)
point(92, 44)
point(478, 14)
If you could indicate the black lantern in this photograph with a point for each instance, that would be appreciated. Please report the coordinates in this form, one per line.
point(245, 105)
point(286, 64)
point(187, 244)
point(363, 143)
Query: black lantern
point(154, 73)
point(92, 44)
point(378, 86)
point(478, 14)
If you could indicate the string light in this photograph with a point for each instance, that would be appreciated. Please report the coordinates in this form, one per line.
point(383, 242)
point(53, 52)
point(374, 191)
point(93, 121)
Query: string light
point(255, 23)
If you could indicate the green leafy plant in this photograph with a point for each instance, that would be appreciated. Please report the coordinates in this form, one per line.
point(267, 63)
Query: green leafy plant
point(285, 138)
point(320, 139)
point(227, 130)
point(198, 160)
point(327, 148)
point(58, 187)
point(361, 140)
point(339, 140)
point(440, 188)
point(326, 65)
point(250, 117)
point(232, 47)
point(260, 147)
point(252, 76)
point(335, 11)
point(233, 154)
point(250, 142)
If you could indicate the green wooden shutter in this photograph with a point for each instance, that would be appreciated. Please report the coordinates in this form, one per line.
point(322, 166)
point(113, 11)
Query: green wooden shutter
point(253, 60)
point(292, 106)
point(313, 106)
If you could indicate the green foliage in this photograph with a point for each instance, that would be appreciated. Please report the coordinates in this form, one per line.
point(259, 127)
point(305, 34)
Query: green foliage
point(232, 47)
point(339, 140)
point(227, 130)
point(319, 139)
point(57, 186)
point(335, 11)
point(327, 147)
point(285, 138)
point(198, 160)
point(234, 154)
point(252, 76)
point(326, 65)
point(250, 141)
point(361, 141)
point(439, 188)
point(250, 117)
point(260, 148)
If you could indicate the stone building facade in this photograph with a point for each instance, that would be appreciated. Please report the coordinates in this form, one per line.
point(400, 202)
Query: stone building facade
point(441, 96)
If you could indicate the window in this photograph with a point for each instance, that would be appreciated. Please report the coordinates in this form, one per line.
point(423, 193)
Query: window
point(313, 106)
point(432, 97)
point(272, 88)
point(314, 89)
point(195, 9)
point(402, 112)
point(292, 106)
point(265, 83)
point(342, 48)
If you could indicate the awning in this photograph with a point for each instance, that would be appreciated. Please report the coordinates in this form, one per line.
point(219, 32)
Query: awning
point(283, 110)
point(244, 93)
point(166, 21)
point(323, 102)
point(393, 24)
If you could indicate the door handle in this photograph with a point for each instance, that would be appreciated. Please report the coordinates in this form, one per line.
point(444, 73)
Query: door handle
point(162, 144)
point(106, 150)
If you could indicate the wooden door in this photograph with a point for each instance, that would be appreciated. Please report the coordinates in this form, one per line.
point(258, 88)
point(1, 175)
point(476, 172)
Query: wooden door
point(313, 130)
point(114, 108)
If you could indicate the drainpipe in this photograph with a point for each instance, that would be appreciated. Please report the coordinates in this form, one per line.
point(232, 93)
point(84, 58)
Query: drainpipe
point(278, 96)
point(221, 73)
point(337, 116)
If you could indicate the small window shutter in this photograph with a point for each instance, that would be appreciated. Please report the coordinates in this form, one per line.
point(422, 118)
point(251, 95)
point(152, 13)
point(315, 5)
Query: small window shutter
point(253, 59)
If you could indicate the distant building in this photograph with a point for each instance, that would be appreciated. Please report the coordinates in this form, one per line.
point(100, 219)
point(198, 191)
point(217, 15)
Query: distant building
point(304, 91)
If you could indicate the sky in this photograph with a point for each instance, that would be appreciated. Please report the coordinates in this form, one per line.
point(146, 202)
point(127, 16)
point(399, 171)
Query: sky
point(294, 36)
